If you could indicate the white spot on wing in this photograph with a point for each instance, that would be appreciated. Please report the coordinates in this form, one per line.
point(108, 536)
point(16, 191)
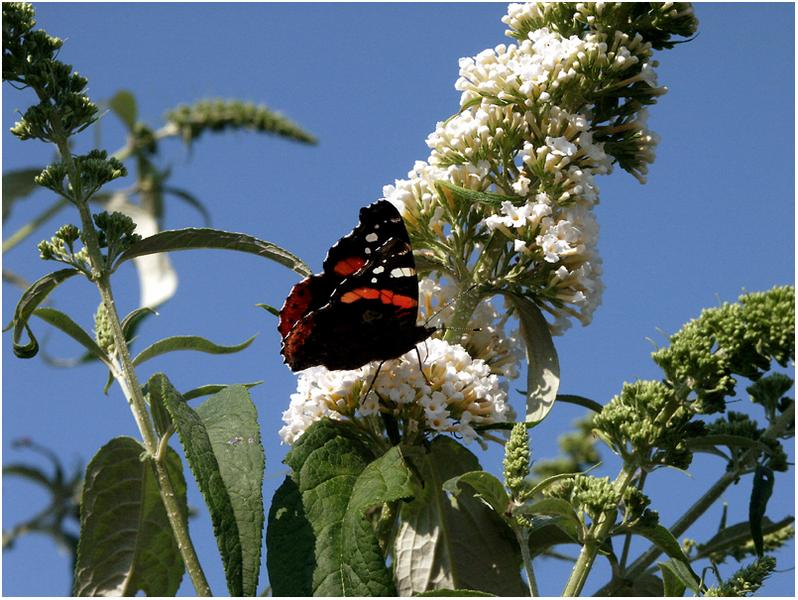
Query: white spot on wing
point(378, 270)
point(372, 237)
point(403, 272)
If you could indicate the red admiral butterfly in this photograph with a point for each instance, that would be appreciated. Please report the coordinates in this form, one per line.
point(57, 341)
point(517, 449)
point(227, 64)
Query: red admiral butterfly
point(363, 306)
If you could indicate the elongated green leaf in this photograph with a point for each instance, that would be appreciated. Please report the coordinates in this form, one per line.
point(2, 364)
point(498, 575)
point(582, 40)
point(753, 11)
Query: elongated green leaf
point(580, 401)
point(212, 388)
point(736, 536)
point(28, 472)
point(485, 486)
point(194, 239)
point(708, 442)
point(202, 460)
point(543, 366)
point(760, 495)
point(447, 542)
point(339, 480)
point(270, 309)
point(126, 542)
point(556, 507)
point(191, 201)
point(63, 322)
point(290, 544)
point(542, 485)
point(549, 531)
point(231, 421)
point(465, 196)
point(187, 342)
point(664, 539)
point(133, 320)
point(18, 184)
point(30, 300)
point(677, 576)
point(123, 103)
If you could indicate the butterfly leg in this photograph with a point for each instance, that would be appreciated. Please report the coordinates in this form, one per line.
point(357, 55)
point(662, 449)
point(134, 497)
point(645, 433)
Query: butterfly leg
point(421, 367)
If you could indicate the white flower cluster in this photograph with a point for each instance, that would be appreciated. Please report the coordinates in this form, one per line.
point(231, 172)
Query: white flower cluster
point(485, 337)
point(453, 394)
point(522, 131)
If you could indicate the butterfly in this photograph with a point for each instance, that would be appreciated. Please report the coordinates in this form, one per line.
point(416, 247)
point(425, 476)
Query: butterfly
point(363, 306)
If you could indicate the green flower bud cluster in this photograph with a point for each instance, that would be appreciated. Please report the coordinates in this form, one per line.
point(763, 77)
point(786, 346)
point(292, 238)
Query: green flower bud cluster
point(115, 232)
point(732, 339)
point(655, 22)
point(647, 423)
point(747, 580)
point(217, 115)
point(636, 511)
point(61, 248)
point(102, 330)
point(94, 170)
point(589, 495)
point(516, 460)
point(770, 392)
point(29, 60)
point(739, 424)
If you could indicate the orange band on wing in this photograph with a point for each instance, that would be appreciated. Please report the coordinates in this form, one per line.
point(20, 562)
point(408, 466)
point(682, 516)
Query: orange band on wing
point(385, 296)
point(359, 294)
point(349, 265)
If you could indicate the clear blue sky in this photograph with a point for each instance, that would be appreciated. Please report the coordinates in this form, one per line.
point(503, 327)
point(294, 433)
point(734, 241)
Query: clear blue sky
point(716, 217)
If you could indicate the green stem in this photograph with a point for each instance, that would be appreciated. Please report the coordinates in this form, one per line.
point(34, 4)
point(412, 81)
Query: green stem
point(129, 381)
point(522, 535)
point(595, 538)
point(29, 228)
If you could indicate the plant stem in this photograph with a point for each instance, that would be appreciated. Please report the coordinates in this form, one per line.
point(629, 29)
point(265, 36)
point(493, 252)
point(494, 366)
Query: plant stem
point(595, 537)
point(522, 535)
point(129, 381)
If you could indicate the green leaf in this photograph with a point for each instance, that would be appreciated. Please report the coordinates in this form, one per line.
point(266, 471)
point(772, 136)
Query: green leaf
point(736, 536)
point(63, 322)
point(231, 422)
point(339, 481)
point(133, 320)
point(191, 201)
point(580, 401)
point(458, 593)
point(126, 542)
point(123, 104)
point(194, 239)
point(28, 472)
point(665, 541)
point(556, 507)
point(708, 442)
point(199, 451)
point(156, 387)
point(18, 184)
point(760, 494)
point(212, 388)
point(549, 531)
point(486, 487)
point(187, 342)
point(543, 366)
point(269, 308)
point(453, 542)
point(290, 544)
point(30, 300)
point(464, 196)
point(543, 484)
point(678, 576)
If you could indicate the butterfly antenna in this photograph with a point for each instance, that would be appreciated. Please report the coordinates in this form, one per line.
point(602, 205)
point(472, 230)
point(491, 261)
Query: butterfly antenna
point(373, 379)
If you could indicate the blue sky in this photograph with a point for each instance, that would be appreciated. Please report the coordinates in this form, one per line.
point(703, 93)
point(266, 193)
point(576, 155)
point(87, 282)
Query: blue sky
point(716, 217)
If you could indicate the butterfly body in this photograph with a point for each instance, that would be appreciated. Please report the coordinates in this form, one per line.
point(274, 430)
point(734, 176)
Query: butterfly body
point(363, 306)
